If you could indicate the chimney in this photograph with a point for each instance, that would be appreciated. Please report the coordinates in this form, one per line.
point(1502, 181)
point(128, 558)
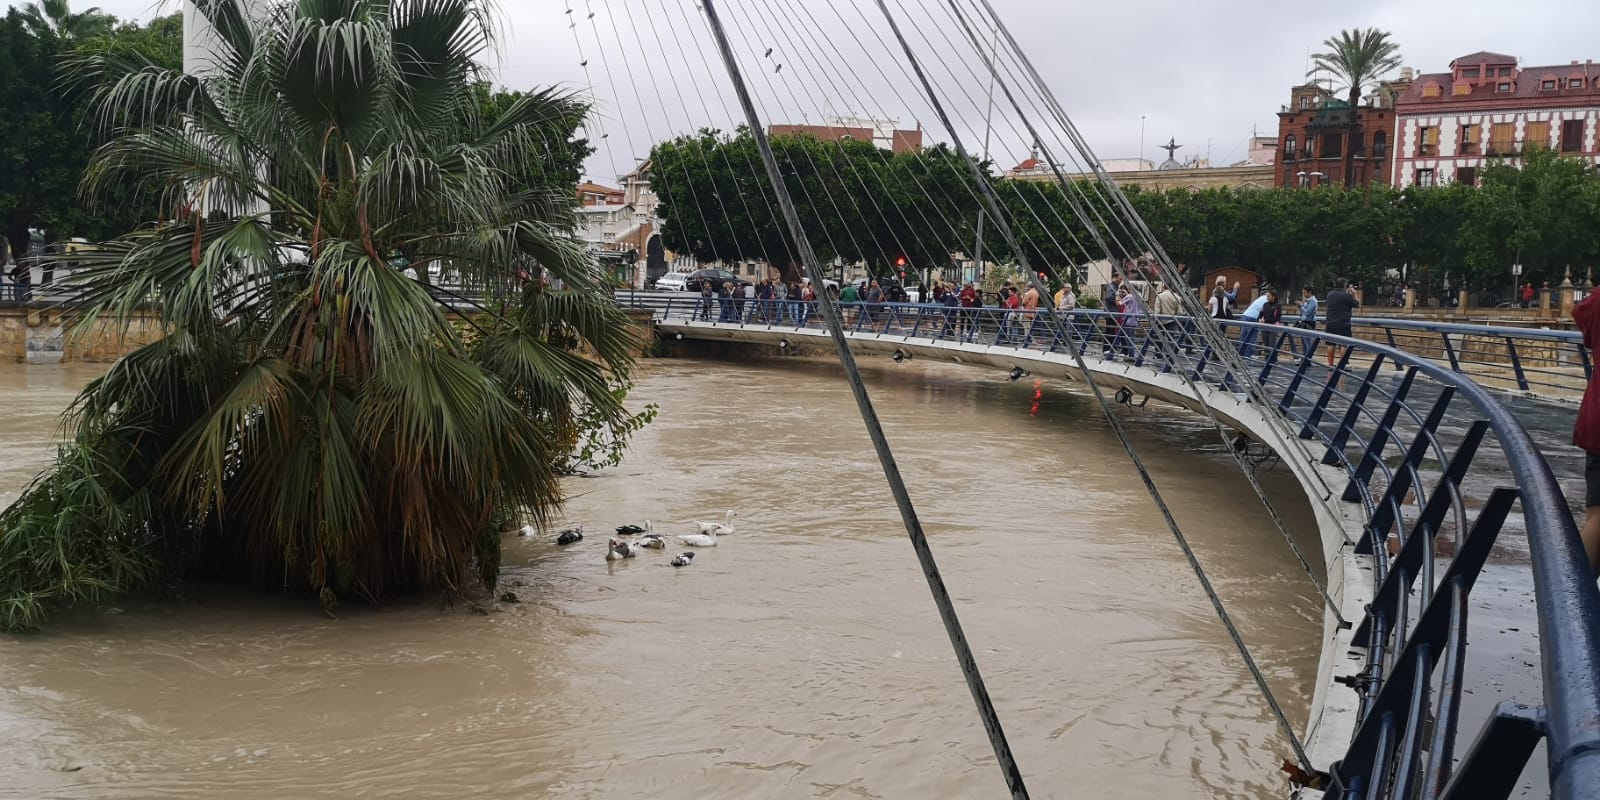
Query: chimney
point(1405, 73)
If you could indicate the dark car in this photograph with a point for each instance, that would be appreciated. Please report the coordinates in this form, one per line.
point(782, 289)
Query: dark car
point(717, 278)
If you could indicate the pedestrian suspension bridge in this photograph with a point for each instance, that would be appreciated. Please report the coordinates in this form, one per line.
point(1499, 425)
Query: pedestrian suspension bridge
point(1399, 453)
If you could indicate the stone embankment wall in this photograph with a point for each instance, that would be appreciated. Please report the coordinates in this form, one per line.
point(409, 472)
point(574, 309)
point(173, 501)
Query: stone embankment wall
point(42, 336)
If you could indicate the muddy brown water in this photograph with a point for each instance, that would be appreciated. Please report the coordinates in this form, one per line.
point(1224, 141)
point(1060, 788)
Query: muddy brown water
point(802, 657)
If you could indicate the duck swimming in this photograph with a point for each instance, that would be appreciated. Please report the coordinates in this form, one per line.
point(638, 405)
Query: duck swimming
point(699, 539)
point(620, 550)
point(725, 526)
point(629, 530)
point(682, 560)
point(570, 535)
point(652, 541)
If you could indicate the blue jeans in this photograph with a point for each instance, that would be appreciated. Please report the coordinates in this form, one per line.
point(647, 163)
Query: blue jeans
point(1247, 340)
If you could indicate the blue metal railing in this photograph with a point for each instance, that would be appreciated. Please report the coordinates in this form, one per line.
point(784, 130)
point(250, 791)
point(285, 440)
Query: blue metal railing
point(1552, 364)
point(1378, 412)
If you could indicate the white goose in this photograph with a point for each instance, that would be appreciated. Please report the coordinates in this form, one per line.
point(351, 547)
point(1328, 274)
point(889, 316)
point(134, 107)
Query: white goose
point(699, 539)
point(620, 550)
point(725, 526)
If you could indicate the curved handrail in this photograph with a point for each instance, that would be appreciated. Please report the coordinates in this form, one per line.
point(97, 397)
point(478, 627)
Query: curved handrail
point(1405, 645)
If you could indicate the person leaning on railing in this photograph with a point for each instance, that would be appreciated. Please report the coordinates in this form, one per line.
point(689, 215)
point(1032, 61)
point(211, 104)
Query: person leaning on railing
point(1169, 307)
point(1586, 433)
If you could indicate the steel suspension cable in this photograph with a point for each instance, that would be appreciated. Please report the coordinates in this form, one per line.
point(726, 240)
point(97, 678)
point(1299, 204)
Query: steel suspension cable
point(849, 162)
point(616, 31)
point(882, 44)
point(696, 144)
point(694, 78)
point(810, 201)
point(1144, 473)
point(1171, 346)
point(908, 514)
point(583, 63)
point(1123, 211)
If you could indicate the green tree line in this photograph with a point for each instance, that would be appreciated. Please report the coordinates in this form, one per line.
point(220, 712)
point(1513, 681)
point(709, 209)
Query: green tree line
point(861, 203)
point(47, 136)
point(311, 419)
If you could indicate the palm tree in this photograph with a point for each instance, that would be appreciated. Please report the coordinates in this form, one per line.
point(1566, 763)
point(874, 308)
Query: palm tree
point(313, 417)
point(57, 17)
point(1358, 58)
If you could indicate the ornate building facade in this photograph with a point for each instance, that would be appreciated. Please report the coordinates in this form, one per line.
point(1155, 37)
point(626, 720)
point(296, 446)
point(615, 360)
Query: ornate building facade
point(1448, 125)
point(1314, 133)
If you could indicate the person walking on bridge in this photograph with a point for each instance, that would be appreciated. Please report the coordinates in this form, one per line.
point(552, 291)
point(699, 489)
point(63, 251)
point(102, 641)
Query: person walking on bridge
point(1342, 304)
point(1169, 307)
point(1030, 311)
point(848, 297)
point(1586, 433)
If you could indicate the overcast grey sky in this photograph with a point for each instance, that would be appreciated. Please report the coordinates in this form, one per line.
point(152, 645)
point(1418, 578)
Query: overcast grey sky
point(1207, 74)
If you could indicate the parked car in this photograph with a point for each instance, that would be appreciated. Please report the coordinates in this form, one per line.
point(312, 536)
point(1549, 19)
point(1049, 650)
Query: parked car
point(717, 278)
point(673, 282)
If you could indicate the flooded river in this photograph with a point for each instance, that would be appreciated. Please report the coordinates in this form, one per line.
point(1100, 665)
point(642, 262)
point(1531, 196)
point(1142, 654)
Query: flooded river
point(802, 657)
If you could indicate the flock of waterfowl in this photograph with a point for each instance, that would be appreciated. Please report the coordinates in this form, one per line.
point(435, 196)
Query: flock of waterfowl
point(645, 538)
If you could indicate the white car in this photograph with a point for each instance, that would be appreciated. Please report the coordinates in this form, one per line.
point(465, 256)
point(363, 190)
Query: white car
point(673, 282)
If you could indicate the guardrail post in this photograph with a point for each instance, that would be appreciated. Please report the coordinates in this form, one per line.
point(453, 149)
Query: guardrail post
point(1314, 418)
point(1516, 364)
point(1392, 343)
point(1387, 696)
point(1401, 483)
point(1341, 437)
point(1450, 350)
point(1485, 529)
point(1380, 440)
point(1495, 760)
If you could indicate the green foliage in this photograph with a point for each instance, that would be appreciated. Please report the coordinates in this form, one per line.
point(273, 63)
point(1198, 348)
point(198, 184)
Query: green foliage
point(997, 277)
point(857, 202)
point(46, 139)
point(1358, 58)
point(312, 418)
point(56, 18)
point(1544, 212)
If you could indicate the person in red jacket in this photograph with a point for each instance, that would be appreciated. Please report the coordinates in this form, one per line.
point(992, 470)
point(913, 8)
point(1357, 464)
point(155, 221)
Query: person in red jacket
point(1586, 433)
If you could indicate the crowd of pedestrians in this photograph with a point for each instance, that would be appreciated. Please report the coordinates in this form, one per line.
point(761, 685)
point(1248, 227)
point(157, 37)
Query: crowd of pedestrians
point(1122, 330)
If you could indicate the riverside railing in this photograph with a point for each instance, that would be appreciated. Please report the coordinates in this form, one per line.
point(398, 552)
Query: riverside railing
point(1551, 364)
point(1379, 413)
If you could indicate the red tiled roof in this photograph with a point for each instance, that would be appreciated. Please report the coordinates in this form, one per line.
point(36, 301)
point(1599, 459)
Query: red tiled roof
point(1032, 163)
point(596, 188)
point(1526, 84)
point(1484, 56)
